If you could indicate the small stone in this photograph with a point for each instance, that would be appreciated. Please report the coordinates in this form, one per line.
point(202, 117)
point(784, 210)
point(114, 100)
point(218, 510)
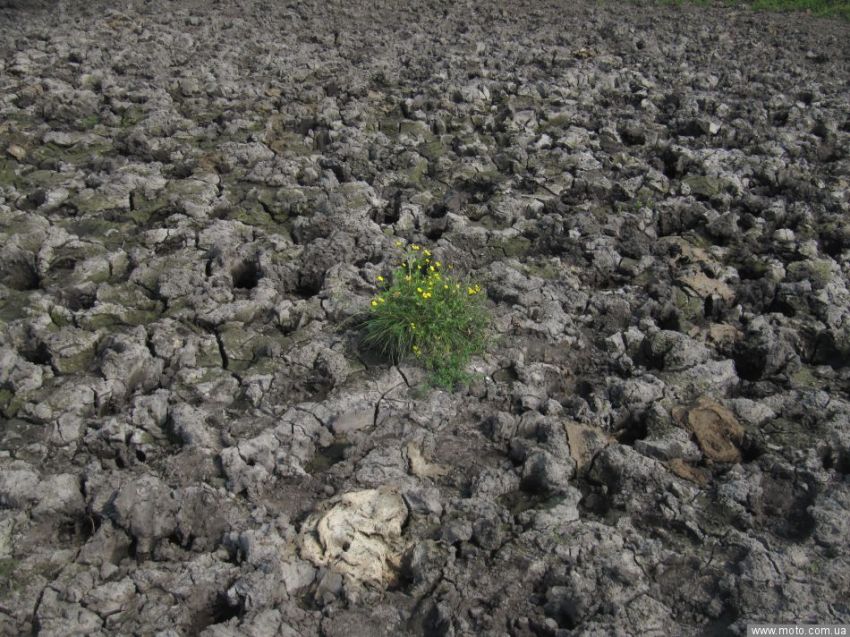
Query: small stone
point(419, 466)
point(718, 432)
point(704, 286)
point(544, 472)
point(18, 152)
point(353, 420)
point(456, 531)
point(688, 471)
point(784, 235)
point(585, 442)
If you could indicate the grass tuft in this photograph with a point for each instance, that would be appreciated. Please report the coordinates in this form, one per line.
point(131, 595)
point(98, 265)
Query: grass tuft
point(819, 8)
point(425, 313)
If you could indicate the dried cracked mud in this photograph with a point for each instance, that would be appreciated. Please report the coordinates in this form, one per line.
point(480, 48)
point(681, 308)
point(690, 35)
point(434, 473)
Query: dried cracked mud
point(196, 200)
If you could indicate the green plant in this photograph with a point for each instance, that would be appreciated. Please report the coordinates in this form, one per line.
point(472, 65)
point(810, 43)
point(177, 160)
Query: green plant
point(7, 571)
point(820, 8)
point(89, 122)
point(823, 8)
point(426, 313)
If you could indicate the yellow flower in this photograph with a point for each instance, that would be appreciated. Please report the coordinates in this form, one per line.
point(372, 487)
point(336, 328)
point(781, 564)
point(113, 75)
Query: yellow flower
point(470, 291)
point(407, 278)
point(438, 264)
point(419, 290)
point(432, 268)
point(426, 295)
point(427, 253)
point(374, 304)
point(414, 247)
point(413, 326)
point(398, 244)
point(380, 279)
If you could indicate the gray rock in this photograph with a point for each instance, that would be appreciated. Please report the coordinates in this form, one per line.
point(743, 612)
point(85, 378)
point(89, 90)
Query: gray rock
point(674, 443)
point(625, 472)
point(674, 351)
point(543, 471)
point(423, 501)
point(557, 517)
point(110, 598)
point(126, 358)
point(501, 427)
point(56, 617)
point(59, 495)
point(636, 392)
point(383, 466)
point(578, 589)
point(190, 425)
point(18, 374)
point(145, 508)
point(107, 545)
point(19, 484)
point(832, 528)
point(454, 531)
point(766, 350)
point(250, 464)
point(492, 483)
point(71, 350)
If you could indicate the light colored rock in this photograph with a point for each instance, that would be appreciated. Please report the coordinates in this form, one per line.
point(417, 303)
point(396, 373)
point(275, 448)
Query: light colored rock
point(145, 508)
point(18, 374)
point(354, 419)
point(585, 442)
point(71, 350)
point(717, 431)
point(419, 466)
point(18, 484)
point(832, 524)
point(18, 152)
point(59, 495)
point(543, 471)
point(359, 536)
point(110, 598)
point(704, 286)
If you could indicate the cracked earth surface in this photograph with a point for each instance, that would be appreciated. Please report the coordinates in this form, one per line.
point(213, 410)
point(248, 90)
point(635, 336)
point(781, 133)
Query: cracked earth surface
point(196, 200)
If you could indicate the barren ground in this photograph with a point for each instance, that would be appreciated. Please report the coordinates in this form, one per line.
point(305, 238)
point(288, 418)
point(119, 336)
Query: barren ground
point(196, 199)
